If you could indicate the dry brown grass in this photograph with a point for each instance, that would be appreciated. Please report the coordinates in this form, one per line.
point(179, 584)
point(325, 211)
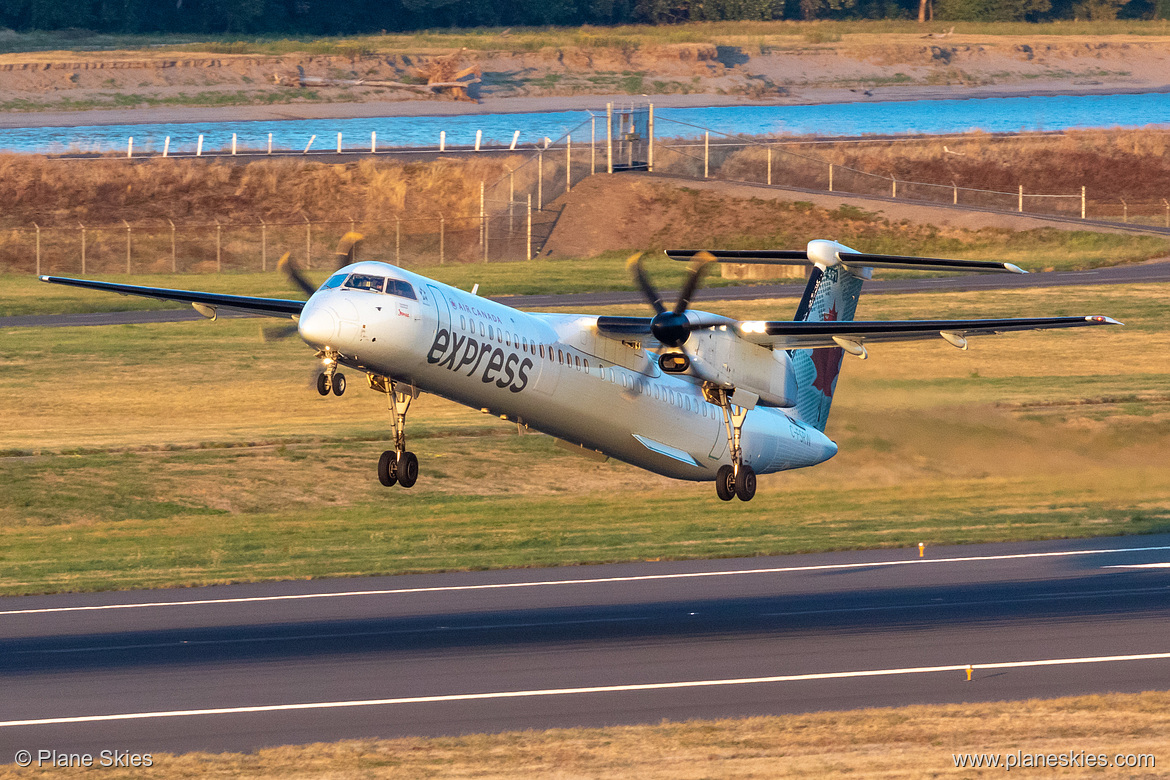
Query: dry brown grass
point(904, 743)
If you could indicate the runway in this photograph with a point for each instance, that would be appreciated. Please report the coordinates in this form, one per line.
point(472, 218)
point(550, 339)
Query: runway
point(1141, 273)
point(241, 667)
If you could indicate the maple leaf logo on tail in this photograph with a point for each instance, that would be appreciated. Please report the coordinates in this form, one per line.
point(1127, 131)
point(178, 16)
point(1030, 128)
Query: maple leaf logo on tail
point(827, 361)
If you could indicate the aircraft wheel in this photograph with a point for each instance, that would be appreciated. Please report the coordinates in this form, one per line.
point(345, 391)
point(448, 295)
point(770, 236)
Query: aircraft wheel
point(322, 384)
point(407, 469)
point(387, 468)
point(338, 383)
point(745, 483)
point(725, 483)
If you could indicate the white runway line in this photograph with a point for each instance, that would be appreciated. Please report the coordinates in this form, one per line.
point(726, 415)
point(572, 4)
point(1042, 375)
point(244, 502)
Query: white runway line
point(454, 697)
point(593, 581)
point(1139, 566)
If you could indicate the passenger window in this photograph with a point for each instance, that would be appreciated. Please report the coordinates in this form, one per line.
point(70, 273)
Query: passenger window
point(542, 350)
point(586, 364)
point(560, 356)
point(334, 281)
point(462, 322)
point(508, 338)
point(481, 329)
point(366, 282)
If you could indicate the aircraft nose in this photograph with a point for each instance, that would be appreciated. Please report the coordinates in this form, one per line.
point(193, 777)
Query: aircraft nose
point(318, 326)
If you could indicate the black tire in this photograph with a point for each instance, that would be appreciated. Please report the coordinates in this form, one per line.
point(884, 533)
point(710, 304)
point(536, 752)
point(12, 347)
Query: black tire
point(387, 468)
point(745, 483)
point(725, 483)
point(338, 383)
point(322, 384)
point(407, 470)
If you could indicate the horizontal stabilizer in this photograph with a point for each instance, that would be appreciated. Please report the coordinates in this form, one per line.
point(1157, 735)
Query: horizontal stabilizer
point(855, 259)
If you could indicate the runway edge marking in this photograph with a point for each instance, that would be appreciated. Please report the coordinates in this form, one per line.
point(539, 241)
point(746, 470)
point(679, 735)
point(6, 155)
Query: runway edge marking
point(576, 691)
point(585, 581)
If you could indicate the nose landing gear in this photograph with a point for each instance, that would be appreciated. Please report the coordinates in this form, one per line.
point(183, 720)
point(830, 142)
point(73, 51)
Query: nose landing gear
point(330, 378)
point(397, 466)
point(738, 479)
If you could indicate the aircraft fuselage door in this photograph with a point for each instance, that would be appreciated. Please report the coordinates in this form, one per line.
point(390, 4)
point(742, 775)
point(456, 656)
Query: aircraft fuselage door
point(442, 311)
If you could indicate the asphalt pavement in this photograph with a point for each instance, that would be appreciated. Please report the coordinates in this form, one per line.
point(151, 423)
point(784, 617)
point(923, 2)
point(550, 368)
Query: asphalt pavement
point(1141, 273)
point(246, 666)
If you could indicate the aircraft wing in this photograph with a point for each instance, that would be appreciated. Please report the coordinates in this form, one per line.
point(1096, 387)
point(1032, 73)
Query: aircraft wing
point(204, 302)
point(805, 335)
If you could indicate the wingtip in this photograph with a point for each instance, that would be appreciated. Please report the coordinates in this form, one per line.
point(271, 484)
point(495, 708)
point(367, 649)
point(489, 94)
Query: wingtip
point(44, 278)
point(1015, 269)
point(1099, 320)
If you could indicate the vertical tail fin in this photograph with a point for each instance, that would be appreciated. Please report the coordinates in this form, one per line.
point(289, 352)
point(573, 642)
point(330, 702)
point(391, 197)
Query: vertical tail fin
point(831, 296)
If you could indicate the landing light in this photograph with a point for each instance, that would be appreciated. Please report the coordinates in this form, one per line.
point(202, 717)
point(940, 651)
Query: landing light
point(753, 327)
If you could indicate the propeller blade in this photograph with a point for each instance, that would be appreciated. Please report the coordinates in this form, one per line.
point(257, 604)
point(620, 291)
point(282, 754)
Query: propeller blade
point(634, 263)
point(290, 269)
point(269, 334)
point(699, 266)
point(346, 251)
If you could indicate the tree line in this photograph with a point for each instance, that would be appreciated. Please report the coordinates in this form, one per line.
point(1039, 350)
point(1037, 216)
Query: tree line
point(330, 17)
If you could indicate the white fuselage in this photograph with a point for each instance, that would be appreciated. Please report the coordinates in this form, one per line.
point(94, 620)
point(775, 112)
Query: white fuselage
point(552, 372)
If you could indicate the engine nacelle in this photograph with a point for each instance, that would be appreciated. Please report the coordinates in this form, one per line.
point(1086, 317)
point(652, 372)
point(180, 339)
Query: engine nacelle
point(721, 357)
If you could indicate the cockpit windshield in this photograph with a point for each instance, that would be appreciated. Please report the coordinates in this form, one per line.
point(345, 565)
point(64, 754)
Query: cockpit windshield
point(366, 282)
point(400, 288)
point(333, 281)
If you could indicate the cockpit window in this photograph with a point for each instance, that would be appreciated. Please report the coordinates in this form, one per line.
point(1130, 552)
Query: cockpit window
point(365, 282)
point(400, 288)
point(334, 281)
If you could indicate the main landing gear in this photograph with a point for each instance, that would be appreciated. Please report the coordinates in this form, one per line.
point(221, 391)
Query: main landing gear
point(738, 479)
point(330, 378)
point(396, 466)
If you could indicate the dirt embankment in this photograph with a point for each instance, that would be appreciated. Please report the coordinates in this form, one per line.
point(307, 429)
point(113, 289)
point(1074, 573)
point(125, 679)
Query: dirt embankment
point(776, 68)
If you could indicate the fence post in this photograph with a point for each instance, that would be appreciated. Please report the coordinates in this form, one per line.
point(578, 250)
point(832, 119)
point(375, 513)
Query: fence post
point(1124, 211)
point(199, 146)
point(263, 245)
point(650, 141)
point(481, 212)
point(515, 140)
point(592, 145)
point(174, 263)
point(830, 177)
point(397, 240)
point(442, 140)
point(1020, 205)
point(486, 237)
point(218, 247)
point(373, 142)
point(312, 138)
point(442, 238)
point(894, 185)
point(1082, 201)
point(478, 138)
point(540, 181)
point(308, 243)
point(955, 193)
point(233, 144)
point(511, 200)
point(127, 224)
point(568, 162)
point(706, 152)
point(38, 227)
point(270, 143)
point(769, 179)
point(339, 143)
point(129, 147)
point(528, 253)
point(82, 247)
point(166, 146)
point(608, 141)
point(1164, 203)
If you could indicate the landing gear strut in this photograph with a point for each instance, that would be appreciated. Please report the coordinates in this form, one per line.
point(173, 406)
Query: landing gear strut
point(330, 378)
point(738, 479)
point(397, 465)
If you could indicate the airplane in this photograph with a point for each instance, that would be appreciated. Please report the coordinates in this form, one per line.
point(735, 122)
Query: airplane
point(687, 394)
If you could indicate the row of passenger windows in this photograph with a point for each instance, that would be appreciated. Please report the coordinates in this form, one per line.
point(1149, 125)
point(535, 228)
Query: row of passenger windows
point(372, 283)
point(563, 357)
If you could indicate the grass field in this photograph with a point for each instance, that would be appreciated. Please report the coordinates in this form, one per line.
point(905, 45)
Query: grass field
point(906, 743)
point(199, 434)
